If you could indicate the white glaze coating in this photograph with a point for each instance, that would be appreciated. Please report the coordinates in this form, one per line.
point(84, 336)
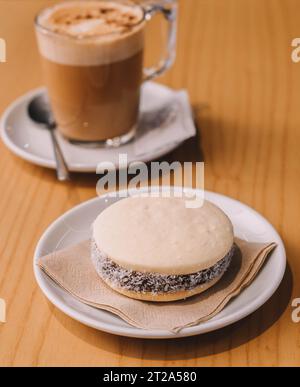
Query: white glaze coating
point(161, 235)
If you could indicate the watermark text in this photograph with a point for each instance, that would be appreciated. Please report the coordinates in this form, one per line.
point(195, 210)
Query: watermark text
point(296, 50)
point(141, 179)
point(2, 51)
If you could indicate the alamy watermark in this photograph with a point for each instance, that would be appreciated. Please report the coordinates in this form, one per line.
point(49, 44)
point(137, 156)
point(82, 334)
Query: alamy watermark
point(296, 311)
point(296, 50)
point(142, 180)
point(2, 51)
point(2, 60)
point(2, 310)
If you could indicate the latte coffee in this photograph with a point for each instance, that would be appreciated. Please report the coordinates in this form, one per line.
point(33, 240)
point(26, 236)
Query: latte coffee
point(92, 54)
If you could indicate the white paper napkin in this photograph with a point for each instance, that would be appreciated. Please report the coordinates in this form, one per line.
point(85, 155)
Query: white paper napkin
point(169, 124)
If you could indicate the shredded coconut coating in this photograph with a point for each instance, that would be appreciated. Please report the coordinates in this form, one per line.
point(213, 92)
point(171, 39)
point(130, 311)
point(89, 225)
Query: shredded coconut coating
point(152, 282)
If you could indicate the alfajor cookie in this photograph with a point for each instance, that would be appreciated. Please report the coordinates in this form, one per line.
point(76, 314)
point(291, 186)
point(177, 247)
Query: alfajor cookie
point(156, 249)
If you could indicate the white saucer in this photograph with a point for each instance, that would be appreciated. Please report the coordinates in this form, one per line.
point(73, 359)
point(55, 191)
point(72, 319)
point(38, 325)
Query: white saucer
point(75, 225)
point(28, 141)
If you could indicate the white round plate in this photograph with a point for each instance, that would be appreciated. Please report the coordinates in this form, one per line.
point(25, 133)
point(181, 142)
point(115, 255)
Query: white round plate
point(32, 143)
point(75, 226)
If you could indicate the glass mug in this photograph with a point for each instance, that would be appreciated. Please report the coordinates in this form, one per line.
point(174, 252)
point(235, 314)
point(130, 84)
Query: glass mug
point(92, 53)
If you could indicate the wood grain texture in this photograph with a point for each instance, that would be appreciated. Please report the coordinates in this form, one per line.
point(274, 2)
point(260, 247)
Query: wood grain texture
point(234, 57)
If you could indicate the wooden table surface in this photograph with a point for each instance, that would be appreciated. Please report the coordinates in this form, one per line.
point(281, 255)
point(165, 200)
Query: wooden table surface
point(234, 58)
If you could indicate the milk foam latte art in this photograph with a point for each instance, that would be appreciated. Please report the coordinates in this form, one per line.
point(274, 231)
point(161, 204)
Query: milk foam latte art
point(92, 54)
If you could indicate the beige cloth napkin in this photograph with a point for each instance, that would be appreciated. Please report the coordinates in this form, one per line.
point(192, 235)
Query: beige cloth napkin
point(72, 270)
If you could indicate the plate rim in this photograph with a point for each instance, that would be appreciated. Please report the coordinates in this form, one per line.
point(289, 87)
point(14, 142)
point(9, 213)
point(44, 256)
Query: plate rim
point(50, 164)
point(130, 331)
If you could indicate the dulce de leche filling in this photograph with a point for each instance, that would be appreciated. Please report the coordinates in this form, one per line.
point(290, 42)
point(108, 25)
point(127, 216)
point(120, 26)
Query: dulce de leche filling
point(152, 282)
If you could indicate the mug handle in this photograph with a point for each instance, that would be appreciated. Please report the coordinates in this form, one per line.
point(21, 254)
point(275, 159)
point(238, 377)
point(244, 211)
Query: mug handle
point(170, 14)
